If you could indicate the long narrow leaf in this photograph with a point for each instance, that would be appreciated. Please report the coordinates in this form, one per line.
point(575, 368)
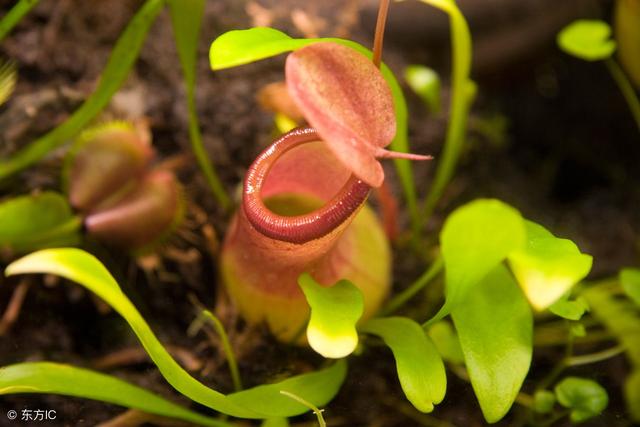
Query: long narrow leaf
point(56, 378)
point(81, 267)
point(186, 16)
point(122, 58)
point(15, 15)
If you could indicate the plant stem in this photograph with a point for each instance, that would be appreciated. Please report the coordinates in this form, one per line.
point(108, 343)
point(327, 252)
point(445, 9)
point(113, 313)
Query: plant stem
point(599, 356)
point(15, 15)
point(399, 300)
point(226, 346)
point(308, 404)
point(626, 88)
point(378, 41)
point(459, 107)
point(224, 339)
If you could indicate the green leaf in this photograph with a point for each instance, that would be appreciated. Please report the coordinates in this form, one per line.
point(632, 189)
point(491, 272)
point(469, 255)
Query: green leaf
point(630, 281)
point(632, 395)
point(56, 378)
point(420, 368)
point(15, 15)
point(317, 388)
point(28, 223)
point(547, 267)
point(275, 422)
point(495, 327)
point(587, 39)
point(572, 310)
point(7, 80)
point(620, 316)
point(476, 238)
point(543, 401)
point(122, 59)
point(335, 310)
point(260, 402)
point(425, 82)
point(186, 17)
point(586, 398)
point(446, 341)
point(240, 47)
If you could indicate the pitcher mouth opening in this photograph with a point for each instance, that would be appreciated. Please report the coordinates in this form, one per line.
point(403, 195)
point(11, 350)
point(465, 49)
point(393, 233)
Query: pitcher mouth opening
point(290, 226)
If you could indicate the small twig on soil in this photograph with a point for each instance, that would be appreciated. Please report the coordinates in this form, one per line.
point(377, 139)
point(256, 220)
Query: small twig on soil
point(13, 308)
point(134, 355)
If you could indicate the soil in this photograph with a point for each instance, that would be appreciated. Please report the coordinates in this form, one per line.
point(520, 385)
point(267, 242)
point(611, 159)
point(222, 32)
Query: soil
point(549, 134)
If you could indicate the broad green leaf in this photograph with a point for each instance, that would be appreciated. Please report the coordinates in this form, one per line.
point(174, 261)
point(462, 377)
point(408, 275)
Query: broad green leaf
point(28, 223)
point(587, 39)
point(8, 79)
point(56, 378)
point(240, 47)
point(630, 281)
point(420, 368)
point(543, 401)
point(632, 395)
point(122, 59)
point(275, 422)
point(335, 310)
point(570, 309)
point(15, 15)
point(586, 398)
point(547, 267)
point(186, 17)
point(425, 82)
point(495, 327)
point(79, 266)
point(317, 388)
point(476, 238)
point(446, 341)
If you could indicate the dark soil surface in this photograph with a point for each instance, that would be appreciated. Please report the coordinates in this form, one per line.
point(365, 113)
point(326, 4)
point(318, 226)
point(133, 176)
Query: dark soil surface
point(550, 135)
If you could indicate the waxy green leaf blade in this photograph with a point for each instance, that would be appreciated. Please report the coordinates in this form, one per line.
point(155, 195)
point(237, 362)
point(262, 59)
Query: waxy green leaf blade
point(587, 39)
point(15, 15)
point(28, 223)
point(56, 378)
point(240, 47)
point(495, 327)
point(120, 62)
point(335, 310)
point(569, 309)
point(83, 268)
point(630, 281)
point(586, 398)
point(317, 388)
point(446, 340)
point(475, 238)
point(547, 267)
point(420, 369)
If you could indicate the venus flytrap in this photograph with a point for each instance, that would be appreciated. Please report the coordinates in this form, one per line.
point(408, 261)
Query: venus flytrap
point(118, 197)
